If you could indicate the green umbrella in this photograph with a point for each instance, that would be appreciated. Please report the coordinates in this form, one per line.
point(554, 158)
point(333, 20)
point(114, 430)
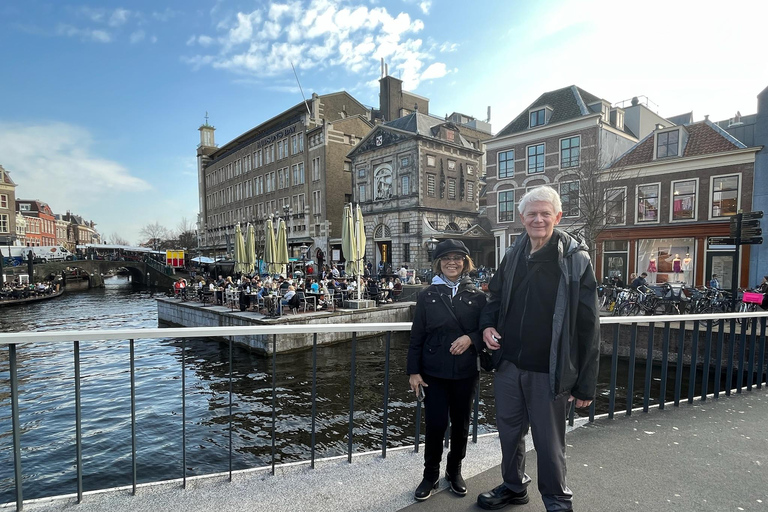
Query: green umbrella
point(348, 243)
point(239, 250)
point(269, 247)
point(282, 247)
point(250, 249)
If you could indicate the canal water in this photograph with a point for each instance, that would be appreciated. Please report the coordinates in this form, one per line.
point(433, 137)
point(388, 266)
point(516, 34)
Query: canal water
point(47, 414)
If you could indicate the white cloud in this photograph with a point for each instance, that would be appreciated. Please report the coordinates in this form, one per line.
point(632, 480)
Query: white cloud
point(318, 34)
point(425, 6)
point(119, 17)
point(137, 36)
point(56, 163)
point(85, 34)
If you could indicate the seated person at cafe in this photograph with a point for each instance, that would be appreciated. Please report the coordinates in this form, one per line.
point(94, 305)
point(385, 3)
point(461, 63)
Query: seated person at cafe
point(290, 298)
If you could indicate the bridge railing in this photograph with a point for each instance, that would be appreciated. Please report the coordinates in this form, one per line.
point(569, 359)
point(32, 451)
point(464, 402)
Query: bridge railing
point(730, 358)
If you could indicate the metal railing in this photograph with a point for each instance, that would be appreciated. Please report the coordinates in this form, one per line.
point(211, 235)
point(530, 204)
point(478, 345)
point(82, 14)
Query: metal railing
point(722, 334)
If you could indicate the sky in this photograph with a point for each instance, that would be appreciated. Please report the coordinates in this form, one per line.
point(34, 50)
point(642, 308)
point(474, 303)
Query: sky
point(100, 101)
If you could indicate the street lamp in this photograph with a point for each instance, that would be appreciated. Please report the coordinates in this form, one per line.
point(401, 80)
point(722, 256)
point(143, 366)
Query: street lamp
point(303, 250)
point(430, 246)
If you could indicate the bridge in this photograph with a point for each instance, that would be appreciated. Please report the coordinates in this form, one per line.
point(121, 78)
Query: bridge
point(704, 453)
point(140, 272)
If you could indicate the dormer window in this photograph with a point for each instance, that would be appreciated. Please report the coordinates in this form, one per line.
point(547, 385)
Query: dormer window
point(538, 117)
point(667, 144)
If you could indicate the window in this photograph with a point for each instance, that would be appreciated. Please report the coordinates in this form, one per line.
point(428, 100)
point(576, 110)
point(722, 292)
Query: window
point(280, 183)
point(361, 172)
point(3, 201)
point(294, 144)
point(316, 169)
point(316, 202)
point(470, 191)
point(298, 174)
point(451, 164)
point(405, 185)
point(280, 149)
point(684, 200)
point(667, 144)
point(570, 149)
point(5, 224)
point(362, 193)
point(431, 185)
point(507, 206)
point(648, 203)
point(451, 188)
point(537, 117)
point(536, 158)
point(406, 252)
point(506, 164)
point(430, 160)
point(406, 227)
point(301, 142)
point(725, 196)
point(404, 161)
point(569, 195)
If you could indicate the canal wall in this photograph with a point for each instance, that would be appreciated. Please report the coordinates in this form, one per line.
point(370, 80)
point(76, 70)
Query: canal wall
point(192, 314)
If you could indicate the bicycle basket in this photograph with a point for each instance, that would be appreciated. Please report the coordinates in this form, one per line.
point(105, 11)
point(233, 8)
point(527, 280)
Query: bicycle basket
point(752, 298)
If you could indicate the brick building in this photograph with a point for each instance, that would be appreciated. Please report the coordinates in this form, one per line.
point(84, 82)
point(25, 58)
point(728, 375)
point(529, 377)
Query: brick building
point(677, 188)
point(292, 166)
point(41, 224)
point(7, 209)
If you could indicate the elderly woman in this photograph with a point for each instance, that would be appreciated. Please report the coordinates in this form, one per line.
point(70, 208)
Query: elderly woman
point(442, 361)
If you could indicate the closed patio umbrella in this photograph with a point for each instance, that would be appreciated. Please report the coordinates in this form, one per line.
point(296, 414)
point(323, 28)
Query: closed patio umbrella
point(239, 250)
point(250, 249)
point(269, 247)
point(348, 243)
point(281, 247)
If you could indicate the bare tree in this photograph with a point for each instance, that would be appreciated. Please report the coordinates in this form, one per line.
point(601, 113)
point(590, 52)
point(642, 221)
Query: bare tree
point(592, 194)
point(116, 239)
point(154, 235)
point(186, 236)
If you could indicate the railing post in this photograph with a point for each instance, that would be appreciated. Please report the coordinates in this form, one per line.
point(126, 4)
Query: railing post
point(664, 365)
point(751, 366)
point(183, 413)
point(231, 343)
point(648, 367)
point(274, 399)
point(386, 395)
point(707, 362)
point(694, 361)
point(761, 356)
point(731, 349)
point(742, 355)
point(614, 367)
point(314, 400)
point(679, 366)
point(17, 477)
point(631, 371)
point(719, 356)
point(78, 425)
point(352, 396)
point(133, 417)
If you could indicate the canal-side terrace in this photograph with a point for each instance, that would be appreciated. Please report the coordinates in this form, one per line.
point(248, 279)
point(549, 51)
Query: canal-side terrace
point(704, 447)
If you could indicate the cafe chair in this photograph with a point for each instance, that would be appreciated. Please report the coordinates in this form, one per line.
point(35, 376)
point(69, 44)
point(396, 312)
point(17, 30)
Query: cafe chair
point(307, 301)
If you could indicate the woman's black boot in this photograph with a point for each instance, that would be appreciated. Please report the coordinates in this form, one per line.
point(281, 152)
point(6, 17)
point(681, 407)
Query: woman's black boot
point(425, 489)
point(458, 485)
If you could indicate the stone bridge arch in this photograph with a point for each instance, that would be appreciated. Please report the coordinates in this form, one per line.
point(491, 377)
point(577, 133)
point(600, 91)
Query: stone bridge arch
point(138, 270)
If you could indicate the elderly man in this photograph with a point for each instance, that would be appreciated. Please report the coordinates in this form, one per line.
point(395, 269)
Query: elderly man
point(541, 321)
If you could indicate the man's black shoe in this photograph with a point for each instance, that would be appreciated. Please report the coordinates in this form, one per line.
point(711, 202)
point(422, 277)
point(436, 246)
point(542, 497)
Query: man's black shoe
point(458, 485)
point(425, 488)
point(500, 497)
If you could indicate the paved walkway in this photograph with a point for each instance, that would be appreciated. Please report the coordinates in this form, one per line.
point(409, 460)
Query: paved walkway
point(710, 456)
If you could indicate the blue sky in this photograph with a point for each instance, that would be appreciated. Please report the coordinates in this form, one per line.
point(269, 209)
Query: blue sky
point(101, 101)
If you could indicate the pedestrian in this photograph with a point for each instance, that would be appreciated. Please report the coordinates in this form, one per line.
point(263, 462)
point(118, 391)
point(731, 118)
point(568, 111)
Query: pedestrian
point(542, 323)
point(714, 282)
point(442, 362)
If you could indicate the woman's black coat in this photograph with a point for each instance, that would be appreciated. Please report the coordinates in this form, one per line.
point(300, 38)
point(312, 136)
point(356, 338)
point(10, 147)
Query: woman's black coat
point(435, 328)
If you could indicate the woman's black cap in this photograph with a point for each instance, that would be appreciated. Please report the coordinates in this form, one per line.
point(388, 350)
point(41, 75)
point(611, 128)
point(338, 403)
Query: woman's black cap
point(449, 246)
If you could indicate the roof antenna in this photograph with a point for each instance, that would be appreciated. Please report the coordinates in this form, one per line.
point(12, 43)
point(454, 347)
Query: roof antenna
point(301, 90)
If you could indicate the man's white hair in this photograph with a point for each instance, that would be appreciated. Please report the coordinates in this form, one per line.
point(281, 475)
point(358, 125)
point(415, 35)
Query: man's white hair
point(542, 193)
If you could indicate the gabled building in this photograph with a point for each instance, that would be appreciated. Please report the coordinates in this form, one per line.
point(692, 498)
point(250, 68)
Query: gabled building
point(671, 193)
point(7, 208)
point(416, 180)
point(291, 166)
point(21, 230)
point(560, 138)
point(41, 231)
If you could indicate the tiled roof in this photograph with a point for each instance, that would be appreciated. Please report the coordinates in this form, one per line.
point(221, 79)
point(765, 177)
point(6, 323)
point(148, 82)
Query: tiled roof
point(422, 124)
point(566, 103)
point(6, 178)
point(703, 138)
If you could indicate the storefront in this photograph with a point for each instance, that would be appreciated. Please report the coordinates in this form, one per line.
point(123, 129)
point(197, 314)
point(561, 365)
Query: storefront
point(667, 260)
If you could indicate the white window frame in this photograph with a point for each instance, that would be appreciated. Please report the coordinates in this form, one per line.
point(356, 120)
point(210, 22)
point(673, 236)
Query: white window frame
point(6, 222)
point(498, 206)
point(361, 193)
point(527, 167)
point(434, 184)
point(498, 164)
point(560, 153)
point(451, 192)
point(672, 200)
point(712, 194)
point(405, 180)
point(636, 204)
point(4, 199)
point(578, 198)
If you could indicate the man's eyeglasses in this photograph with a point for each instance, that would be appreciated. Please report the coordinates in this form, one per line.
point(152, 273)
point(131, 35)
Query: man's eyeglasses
point(452, 258)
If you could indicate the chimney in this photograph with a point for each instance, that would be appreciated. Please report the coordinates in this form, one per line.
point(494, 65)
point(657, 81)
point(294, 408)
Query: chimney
point(488, 120)
point(382, 67)
point(706, 117)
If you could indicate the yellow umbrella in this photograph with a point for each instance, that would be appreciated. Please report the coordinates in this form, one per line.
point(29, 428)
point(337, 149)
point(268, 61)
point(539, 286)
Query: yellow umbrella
point(282, 247)
point(250, 249)
point(348, 243)
point(239, 250)
point(270, 248)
